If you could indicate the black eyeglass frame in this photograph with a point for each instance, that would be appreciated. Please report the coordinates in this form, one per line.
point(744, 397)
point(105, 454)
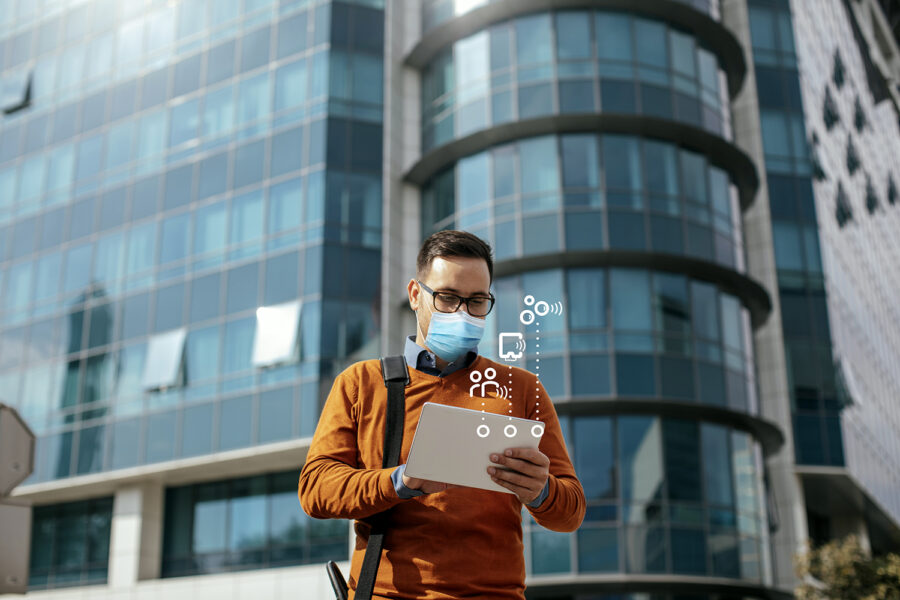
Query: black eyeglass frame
point(461, 300)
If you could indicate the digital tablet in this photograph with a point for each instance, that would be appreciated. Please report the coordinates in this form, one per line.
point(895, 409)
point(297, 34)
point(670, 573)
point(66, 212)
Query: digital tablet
point(454, 445)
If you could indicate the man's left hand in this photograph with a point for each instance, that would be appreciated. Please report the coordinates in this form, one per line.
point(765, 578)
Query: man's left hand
point(530, 469)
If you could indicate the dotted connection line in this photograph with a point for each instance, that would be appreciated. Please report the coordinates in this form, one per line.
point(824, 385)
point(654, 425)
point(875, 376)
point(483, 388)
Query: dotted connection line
point(509, 369)
point(537, 370)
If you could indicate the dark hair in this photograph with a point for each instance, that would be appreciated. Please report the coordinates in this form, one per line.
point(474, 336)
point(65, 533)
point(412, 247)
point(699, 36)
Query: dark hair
point(452, 243)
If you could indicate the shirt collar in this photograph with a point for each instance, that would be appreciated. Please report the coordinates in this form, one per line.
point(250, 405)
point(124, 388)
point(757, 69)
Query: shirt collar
point(423, 360)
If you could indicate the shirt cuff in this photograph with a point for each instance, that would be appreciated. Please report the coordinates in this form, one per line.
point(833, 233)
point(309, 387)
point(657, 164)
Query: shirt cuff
point(536, 503)
point(402, 491)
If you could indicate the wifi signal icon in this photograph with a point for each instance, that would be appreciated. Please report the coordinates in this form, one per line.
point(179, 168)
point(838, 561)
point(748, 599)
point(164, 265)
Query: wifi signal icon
point(540, 307)
point(503, 392)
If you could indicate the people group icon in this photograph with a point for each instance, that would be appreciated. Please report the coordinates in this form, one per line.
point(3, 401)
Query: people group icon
point(490, 373)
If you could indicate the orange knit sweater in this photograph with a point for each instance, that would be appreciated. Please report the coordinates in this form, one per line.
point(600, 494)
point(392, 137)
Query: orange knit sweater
point(460, 543)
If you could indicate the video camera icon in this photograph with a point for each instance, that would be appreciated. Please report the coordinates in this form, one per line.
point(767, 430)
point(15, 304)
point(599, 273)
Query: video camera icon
point(511, 346)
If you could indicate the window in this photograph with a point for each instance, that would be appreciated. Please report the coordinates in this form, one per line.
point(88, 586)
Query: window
point(594, 457)
point(276, 336)
point(15, 93)
point(613, 32)
point(843, 212)
point(682, 452)
point(70, 544)
point(533, 45)
point(291, 85)
point(573, 35)
point(163, 367)
point(241, 523)
point(201, 356)
point(630, 300)
point(640, 462)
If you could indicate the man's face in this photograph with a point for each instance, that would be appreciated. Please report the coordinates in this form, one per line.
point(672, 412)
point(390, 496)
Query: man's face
point(463, 276)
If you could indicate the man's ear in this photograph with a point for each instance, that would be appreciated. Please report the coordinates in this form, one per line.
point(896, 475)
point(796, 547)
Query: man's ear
point(412, 291)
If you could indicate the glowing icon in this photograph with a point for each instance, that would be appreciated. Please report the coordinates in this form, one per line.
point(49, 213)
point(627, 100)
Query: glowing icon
point(512, 346)
point(537, 431)
point(510, 431)
point(541, 308)
point(483, 431)
point(489, 374)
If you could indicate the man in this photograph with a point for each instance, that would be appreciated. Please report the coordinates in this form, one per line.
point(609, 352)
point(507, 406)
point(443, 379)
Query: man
point(443, 541)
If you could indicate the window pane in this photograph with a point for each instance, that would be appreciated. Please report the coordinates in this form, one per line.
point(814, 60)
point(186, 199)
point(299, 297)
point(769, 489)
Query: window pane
point(587, 298)
point(276, 415)
point(159, 431)
point(198, 420)
point(598, 549)
point(285, 206)
point(243, 285)
point(705, 309)
point(573, 35)
point(594, 459)
point(246, 218)
point(184, 123)
point(670, 299)
point(651, 43)
point(174, 240)
point(291, 85)
point(613, 36)
point(580, 163)
point(533, 40)
point(238, 345)
point(550, 552)
point(622, 162)
point(210, 229)
point(682, 452)
point(205, 298)
point(630, 300)
point(276, 334)
point(234, 426)
point(253, 99)
point(163, 359)
point(640, 458)
point(472, 190)
point(282, 278)
point(539, 169)
point(202, 355)
point(716, 465)
point(210, 513)
point(218, 115)
point(255, 49)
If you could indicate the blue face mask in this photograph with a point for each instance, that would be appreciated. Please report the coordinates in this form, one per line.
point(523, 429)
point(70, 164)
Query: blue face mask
point(451, 334)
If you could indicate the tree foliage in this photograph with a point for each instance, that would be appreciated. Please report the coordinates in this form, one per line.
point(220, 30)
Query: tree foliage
point(842, 570)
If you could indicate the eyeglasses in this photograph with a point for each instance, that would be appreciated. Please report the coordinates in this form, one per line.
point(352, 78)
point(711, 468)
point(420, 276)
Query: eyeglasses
point(445, 302)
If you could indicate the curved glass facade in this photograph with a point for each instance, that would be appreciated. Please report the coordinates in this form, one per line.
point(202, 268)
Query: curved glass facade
point(632, 333)
point(588, 192)
point(435, 12)
point(664, 496)
point(602, 62)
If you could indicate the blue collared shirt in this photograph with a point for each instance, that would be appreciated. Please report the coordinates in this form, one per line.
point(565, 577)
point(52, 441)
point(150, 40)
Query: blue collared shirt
point(422, 359)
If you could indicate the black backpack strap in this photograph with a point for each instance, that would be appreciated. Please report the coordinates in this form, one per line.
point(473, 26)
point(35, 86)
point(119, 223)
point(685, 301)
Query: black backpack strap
point(396, 378)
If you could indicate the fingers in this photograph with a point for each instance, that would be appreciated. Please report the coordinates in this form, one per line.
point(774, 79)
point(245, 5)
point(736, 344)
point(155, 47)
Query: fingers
point(532, 455)
point(509, 480)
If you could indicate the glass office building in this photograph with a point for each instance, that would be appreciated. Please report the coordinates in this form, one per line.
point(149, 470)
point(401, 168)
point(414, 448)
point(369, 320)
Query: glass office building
point(208, 208)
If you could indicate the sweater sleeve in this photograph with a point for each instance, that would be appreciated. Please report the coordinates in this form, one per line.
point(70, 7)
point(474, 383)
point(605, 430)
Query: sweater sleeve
point(563, 510)
point(332, 484)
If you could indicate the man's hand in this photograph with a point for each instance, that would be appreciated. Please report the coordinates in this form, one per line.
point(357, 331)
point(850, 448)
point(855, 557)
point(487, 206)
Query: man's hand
point(429, 487)
point(530, 469)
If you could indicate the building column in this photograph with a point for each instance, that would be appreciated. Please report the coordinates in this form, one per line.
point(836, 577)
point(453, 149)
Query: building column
point(135, 544)
point(771, 362)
